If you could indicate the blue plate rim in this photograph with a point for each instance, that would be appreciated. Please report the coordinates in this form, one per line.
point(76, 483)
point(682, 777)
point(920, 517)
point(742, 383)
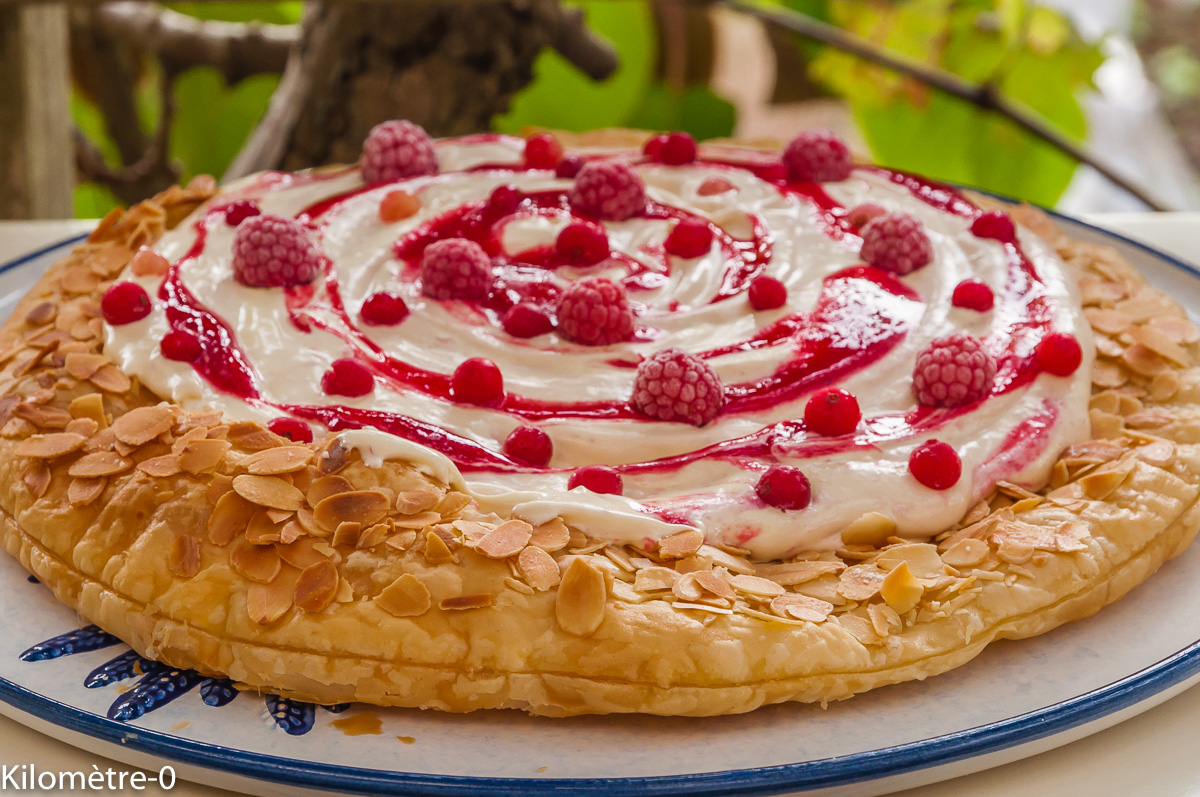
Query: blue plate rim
point(845, 770)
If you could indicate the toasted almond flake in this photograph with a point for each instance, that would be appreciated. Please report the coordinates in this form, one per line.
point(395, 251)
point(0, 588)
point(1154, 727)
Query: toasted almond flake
point(861, 582)
point(270, 491)
point(302, 553)
point(507, 539)
point(81, 492)
point(82, 365)
point(402, 540)
point(1142, 360)
point(966, 552)
point(266, 603)
point(582, 595)
point(921, 557)
point(802, 607)
point(452, 503)
point(655, 579)
point(473, 531)
point(681, 544)
point(1177, 330)
point(261, 530)
point(43, 416)
point(89, 406)
point(142, 424)
point(317, 587)
point(50, 446)
point(1104, 425)
point(201, 456)
point(791, 573)
point(884, 619)
point(1108, 375)
point(1102, 482)
point(372, 536)
point(42, 313)
point(870, 529)
point(551, 536)
point(1110, 322)
point(1070, 537)
point(701, 607)
point(184, 559)
point(1165, 385)
point(258, 563)
point(82, 426)
point(290, 532)
point(407, 596)
point(1014, 551)
point(101, 463)
point(326, 486)
point(252, 436)
point(715, 584)
point(282, 459)
point(36, 478)
point(756, 586)
point(436, 550)
point(417, 521)
point(1156, 452)
point(279, 515)
point(461, 603)
point(900, 588)
point(421, 499)
point(687, 588)
point(365, 507)
point(347, 533)
point(720, 558)
point(229, 518)
point(538, 568)
point(1161, 344)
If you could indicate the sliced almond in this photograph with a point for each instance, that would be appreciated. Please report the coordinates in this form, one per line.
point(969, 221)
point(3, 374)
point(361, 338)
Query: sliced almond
point(266, 603)
point(966, 552)
point(792, 573)
point(184, 559)
point(436, 550)
point(407, 596)
point(89, 406)
point(551, 536)
point(201, 456)
point(412, 502)
point(43, 416)
point(251, 436)
point(655, 579)
point(82, 426)
point(861, 582)
point(757, 587)
point(269, 491)
point(507, 539)
point(36, 478)
point(317, 587)
point(900, 589)
point(301, 554)
point(582, 595)
point(1162, 345)
point(802, 607)
point(281, 459)
point(347, 534)
point(373, 535)
point(50, 446)
point(461, 603)
point(82, 365)
point(417, 521)
point(1103, 482)
point(101, 463)
point(258, 563)
point(229, 518)
point(262, 530)
point(81, 492)
point(538, 568)
point(873, 529)
point(142, 424)
point(921, 557)
point(365, 507)
point(681, 544)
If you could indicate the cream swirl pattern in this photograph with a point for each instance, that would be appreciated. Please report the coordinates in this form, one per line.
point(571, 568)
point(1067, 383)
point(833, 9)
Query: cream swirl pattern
point(265, 351)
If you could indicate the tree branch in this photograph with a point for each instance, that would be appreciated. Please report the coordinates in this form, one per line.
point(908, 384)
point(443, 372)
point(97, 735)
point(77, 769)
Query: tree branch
point(589, 53)
point(983, 95)
point(179, 41)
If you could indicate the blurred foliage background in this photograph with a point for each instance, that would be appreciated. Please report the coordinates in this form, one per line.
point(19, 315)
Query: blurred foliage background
point(1028, 51)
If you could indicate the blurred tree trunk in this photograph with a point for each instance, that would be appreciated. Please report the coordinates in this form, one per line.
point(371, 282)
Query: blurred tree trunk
point(449, 67)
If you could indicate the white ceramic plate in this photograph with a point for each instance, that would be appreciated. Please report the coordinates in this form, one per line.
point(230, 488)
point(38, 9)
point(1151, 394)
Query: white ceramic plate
point(1016, 699)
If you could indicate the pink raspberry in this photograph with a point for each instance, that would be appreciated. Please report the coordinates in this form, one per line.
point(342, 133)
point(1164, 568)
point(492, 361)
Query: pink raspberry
point(672, 385)
point(952, 371)
point(274, 252)
point(395, 150)
point(595, 312)
point(456, 268)
point(897, 243)
point(818, 156)
point(608, 190)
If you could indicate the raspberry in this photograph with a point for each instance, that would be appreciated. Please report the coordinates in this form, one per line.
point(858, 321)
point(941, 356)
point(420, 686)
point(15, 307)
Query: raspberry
point(239, 211)
point(477, 381)
point(861, 215)
point(530, 445)
point(1058, 353)
point(124, 303)
point(398, 206)
point(952, 371)
point(543, 151)
point(526, 321)
point(597, 478)
point(568, 167)
point(677, 149)
point(395, 150)
point(582, 243)
point(608, 190)
point(973, 295)
point(713, 186)
point(293, 429)
point(347, 377)
point(689, 238)
point(784, 487)
point(148, 263)
point(595, 312)
point(935, 465)
point(505, 199)
point(384, 309)
point(274, 252)
point(672, 385)
point(766, 293)
point(996, 225)
point(832, 412)
point(817, 156)
point(181, 346)
point(897, 243)
point(456, 268)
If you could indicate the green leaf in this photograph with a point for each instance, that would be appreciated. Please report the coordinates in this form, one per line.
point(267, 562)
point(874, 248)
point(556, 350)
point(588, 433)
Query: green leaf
point(214, 120)
point(280, 13)
point(696, 110)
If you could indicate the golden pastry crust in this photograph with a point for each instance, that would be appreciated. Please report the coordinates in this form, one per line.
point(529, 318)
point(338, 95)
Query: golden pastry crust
point(297, 569)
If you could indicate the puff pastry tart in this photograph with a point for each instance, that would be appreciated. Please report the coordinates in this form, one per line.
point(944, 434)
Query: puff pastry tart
point(603, 424)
